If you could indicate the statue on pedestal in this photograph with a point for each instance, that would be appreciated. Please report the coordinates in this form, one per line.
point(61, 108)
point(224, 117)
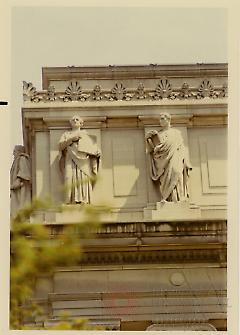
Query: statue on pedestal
point(20, 179)
point(79, 162)
point(169, 165)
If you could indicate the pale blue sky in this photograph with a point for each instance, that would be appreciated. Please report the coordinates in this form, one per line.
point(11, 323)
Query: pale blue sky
point(46, 36)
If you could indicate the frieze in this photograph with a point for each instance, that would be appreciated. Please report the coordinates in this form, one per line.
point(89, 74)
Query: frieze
point(146, 251)
point(154, 257)
point(119, 92)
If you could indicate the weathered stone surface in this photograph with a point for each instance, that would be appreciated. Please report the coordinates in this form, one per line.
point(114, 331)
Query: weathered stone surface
point(150, 263)
point(20, 179)
point(79, 163)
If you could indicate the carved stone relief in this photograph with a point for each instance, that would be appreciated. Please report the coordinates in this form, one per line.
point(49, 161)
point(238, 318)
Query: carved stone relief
point(30, 93)
point(140, 92)
point(118, 92)
point(162, 90)
point(185, 92)
point(224, 91)
point(74, 93)
point(51, 95)
point(97, 93)
point(206, 90)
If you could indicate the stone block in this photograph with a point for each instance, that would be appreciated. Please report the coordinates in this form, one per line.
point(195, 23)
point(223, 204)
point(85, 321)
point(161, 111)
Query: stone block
point(173, 211)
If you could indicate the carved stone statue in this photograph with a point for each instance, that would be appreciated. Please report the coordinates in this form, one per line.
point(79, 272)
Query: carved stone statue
point(169, 164)
point(79, 162)
point(20, 179)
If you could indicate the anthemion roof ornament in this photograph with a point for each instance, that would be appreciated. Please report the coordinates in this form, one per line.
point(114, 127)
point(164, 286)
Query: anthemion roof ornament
point(206, 90)
point(29, 92)
point(140, 92)
point(120, 92)
point(185, 92)
point(163, 90)
point(74, 92)
point(51, 93)
point(97, 93)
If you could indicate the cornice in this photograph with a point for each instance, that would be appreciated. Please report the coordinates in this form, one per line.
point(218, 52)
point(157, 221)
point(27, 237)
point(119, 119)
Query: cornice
point(118, 72)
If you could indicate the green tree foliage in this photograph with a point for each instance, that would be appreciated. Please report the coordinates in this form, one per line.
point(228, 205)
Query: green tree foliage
point(35, 252)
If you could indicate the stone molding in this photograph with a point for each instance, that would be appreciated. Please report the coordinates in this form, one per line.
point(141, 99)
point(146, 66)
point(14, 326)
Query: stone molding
point(141, 72)
point(163, 90)
point(146, 294)
point(190, 121)
point(141, 243)
point(187, 227)
point(186, 326)
point(191, 321)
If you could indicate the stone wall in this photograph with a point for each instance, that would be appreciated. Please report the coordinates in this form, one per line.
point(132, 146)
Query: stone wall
point(164, 267)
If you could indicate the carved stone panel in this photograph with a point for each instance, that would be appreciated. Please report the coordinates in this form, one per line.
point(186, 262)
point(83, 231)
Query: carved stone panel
point(56, 178)
point(42, 164)
point(125, 171)
point(213, 164)
point(208, 152)
point(123, 179)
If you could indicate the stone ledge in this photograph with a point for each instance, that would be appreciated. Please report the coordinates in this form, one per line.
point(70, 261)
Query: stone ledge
point(162, 294)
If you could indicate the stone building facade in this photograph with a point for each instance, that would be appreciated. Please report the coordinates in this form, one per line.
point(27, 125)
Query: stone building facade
point(153, 265)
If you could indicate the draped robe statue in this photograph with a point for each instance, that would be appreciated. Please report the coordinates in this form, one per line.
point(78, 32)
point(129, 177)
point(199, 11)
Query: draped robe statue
point(20, 179)
point(169, 166)
point(79, 162)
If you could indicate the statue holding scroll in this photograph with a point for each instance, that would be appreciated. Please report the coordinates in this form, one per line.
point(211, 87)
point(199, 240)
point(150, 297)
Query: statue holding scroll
point(169, 165)
point(79, 161)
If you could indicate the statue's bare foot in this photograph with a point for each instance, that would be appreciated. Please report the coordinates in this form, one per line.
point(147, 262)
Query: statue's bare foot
point(183, 199)
point(80, 202)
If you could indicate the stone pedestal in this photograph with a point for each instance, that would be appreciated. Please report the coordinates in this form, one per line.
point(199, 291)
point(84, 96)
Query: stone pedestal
point(183, 210)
